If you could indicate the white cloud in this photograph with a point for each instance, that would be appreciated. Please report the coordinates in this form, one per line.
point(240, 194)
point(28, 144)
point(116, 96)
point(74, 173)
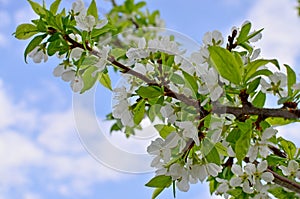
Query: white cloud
point(32, 141)
point(281, 29)
point(290, 132)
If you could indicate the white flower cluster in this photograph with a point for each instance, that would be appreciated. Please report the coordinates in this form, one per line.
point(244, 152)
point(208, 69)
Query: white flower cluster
point(38, 54)
point(209, 76)
point(251, 178)
point(278, 81)
point(143, 48)
point(292, 170)
point(121, 107)
point(183, 175)
point(260, 147)
point(84, 21)
point(68, 73)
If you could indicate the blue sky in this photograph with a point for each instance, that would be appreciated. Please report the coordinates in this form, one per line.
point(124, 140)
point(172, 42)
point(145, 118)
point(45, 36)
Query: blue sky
point(41, 154)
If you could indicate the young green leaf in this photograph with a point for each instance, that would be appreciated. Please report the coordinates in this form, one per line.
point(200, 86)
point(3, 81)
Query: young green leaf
point(118, 52)
point(32, 44)
point(156, 192)
point(226, 64)
point(244, 33)
point(92, 10)
point(191, 81)
point(104, 79)
point(252, 67)
point(288, 146)
point(37, 8)
point(210, 152)
point(54, 6)
point(149, 91)
point(25, 31)
point(164, 130)
point(242, 145)
point(139, 112)
point(88, 78)
point(291, 78)
point(259, 100)
point(160, 181)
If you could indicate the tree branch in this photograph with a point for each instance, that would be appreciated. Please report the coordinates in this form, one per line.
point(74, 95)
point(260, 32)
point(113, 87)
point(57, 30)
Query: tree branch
point(285, 182)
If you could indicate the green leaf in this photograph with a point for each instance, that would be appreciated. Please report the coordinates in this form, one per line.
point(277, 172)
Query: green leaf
point(53, 47)
point(176, 79)
point(252, 67)
point(129, 5)
point(242, 145)
point(104, 79)
point(281, 193)
point(88, 78)
point(33, 44)
point(288, 146)
point(54, 6)
point(25, 31)
point(225, 63)
point(265, 72)
point(156, 192)
point(118, 52)
point(291, 78)
point(140, 5)
point(149, 91)
point(253, 85)
point(89, 60)
point(37, 8)
point(92, 10)
point(244, 33)
point(259, 100)
point(279, 121)
point(221, 149)
point(139, 112)
point(191, 80)
point(210, 152)
point(164, 130)
point(160, 181)
point(254, 34)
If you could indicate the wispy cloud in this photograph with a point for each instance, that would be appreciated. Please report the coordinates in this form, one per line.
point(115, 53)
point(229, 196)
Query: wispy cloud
point(281, 29)
point(47, 143)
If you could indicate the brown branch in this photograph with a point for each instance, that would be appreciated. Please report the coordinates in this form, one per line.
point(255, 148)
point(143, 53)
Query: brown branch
point(285, 182)
point(265, 112)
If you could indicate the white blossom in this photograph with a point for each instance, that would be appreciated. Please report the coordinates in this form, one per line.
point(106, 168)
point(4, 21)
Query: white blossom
point(69, 75)
point(277, 82)
point(241, 179)
point(189, 130)
point(78, 6)
point(213, 38)
point(38, 54)
point(102, 61)
point(121, 108)
point(261, 146)
point(84, 21)
point(211, 84)
point(139, 52)
point(181, 174)
point(292, 170)
point(202, 171)
point(164, 44)
point(168, 112)
point(223, 187)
